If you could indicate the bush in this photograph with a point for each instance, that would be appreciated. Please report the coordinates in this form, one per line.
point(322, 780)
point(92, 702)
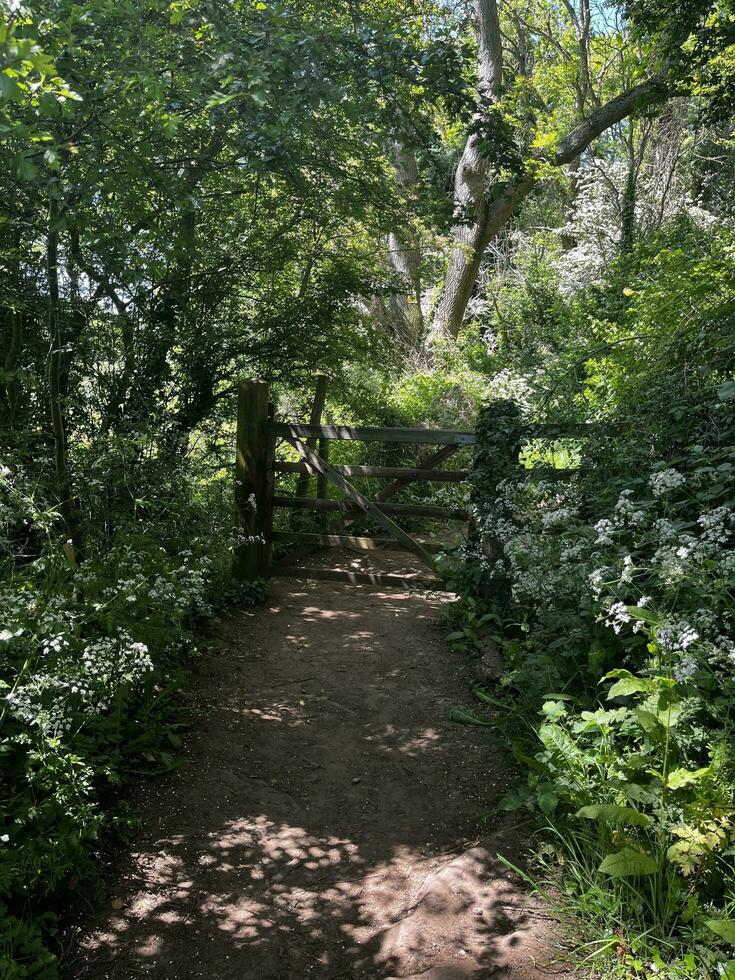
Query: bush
point(615, 589)
point(91, 655)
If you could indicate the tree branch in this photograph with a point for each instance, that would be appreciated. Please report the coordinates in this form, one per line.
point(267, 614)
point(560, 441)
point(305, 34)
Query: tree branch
point(639, 97)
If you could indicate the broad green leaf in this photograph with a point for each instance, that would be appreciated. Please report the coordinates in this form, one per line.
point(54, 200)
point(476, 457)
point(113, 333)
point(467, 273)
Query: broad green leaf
point(548, 798)
point(724, 928)
point(610, 813)
point(10, 91)
point(553, 710)
point(555, 739)
point(632, 684)
point(670, 715)
point(25, 168)
point(645, 615)
point(170, 125)
point(628, 862)
point(464, 717)
point(685, 777)
point(628, 685)
point(516, 799)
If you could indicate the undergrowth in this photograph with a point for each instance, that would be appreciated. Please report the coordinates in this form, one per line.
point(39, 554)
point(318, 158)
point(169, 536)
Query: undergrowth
point(92, 654)
point(610, 596)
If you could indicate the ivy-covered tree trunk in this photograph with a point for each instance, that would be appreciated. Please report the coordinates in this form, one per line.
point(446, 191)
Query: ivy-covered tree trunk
point(500, 434)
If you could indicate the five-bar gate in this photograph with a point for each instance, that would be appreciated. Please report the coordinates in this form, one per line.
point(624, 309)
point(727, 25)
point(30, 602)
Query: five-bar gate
point(258, 432)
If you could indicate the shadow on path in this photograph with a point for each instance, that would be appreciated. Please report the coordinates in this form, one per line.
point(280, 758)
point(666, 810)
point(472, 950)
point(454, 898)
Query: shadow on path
point(327, 822)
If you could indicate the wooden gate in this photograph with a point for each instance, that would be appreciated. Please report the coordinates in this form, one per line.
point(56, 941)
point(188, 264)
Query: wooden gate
point(255, 500)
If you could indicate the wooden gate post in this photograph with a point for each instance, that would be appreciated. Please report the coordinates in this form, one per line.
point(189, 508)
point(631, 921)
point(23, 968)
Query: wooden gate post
point(251, 482)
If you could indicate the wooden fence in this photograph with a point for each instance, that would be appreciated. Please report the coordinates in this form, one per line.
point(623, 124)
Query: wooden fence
point(258, 431)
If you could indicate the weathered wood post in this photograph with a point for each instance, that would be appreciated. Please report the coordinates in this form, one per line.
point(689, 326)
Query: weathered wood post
point(322, 484)
point(252, 509)
point(300, 521)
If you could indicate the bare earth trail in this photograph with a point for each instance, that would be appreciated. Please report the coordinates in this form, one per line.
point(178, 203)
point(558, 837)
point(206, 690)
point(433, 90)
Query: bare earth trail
point(327, 823)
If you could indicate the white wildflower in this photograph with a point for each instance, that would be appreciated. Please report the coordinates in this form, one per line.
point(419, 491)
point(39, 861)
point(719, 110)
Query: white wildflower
point(617, 616)
point(604, 529)
point(664, 481)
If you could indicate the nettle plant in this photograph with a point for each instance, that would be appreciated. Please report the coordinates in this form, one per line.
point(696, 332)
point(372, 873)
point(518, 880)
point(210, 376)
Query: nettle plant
point(622, 626)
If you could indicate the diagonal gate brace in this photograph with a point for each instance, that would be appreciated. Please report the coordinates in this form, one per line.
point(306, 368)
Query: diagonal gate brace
point(323, 467)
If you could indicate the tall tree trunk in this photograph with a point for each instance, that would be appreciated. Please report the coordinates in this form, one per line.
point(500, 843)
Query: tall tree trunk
point(582, 25)
point(405, 252)
point(470, 231)
point(630, 193)
point(399, 313)
point(489, 211)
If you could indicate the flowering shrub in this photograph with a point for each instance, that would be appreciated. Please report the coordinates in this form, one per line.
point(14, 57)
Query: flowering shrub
point(89, 657)
point(627, 643)
point(612, 592)
point(595, 227)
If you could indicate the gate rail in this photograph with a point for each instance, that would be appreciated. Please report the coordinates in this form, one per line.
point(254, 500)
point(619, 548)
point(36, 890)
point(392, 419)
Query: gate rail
point(255, 499)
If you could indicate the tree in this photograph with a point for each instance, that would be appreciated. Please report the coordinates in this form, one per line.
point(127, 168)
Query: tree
point(199, 180)
point(548, 83)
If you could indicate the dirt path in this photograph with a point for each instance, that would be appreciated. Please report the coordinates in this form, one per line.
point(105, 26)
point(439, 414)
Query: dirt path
point(328, 822)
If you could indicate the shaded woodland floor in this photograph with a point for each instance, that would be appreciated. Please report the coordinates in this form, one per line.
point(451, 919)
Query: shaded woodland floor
point(329, 822)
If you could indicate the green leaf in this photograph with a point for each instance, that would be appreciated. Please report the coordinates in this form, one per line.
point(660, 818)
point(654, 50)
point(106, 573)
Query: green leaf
point(170, 125)
point(628, 685)
point(726, 391)
point(645, 615)
point(516, 799)
point(631, 684)
point(553, 710)
point(456, 635)
point(685, 777)
point(548, 798)
point(648, 721)
point(609, 813)
point(724, 928)
point(10, 91)
point(628, 862)
point(25, 168)
point(464, 717)
point(556, 740)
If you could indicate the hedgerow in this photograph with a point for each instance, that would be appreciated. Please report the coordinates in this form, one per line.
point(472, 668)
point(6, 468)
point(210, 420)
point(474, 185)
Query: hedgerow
point(614, 590)
point(91, 656)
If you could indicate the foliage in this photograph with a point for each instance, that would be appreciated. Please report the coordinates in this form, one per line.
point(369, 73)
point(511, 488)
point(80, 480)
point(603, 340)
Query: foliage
point(91, 656)
point(615, 590)
point(193, 192)
point(186, 191)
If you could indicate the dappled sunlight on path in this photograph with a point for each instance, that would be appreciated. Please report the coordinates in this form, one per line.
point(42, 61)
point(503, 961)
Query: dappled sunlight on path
point(327, 824)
